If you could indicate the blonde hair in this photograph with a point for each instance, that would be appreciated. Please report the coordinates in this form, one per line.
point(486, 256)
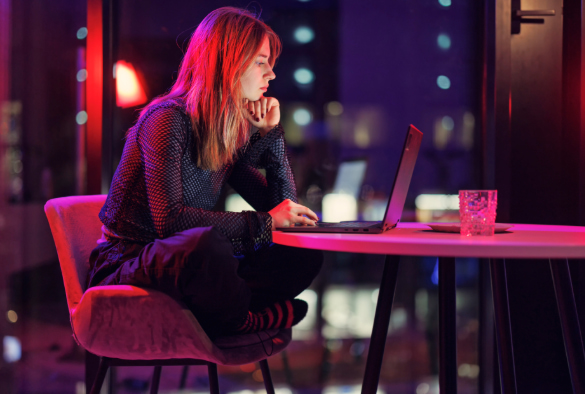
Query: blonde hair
point(221, 49)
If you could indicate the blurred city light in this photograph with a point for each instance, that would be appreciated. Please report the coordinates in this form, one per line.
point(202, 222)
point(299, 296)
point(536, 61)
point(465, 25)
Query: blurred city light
point(277, 390)
point(348, 312)
point(129, 91)
point(80, 388)
point(334, 108)
point(437, 201)
point(82, 33)
point(12, 349)
point(447, 123)
point(236, 203)
point(11, 316)
point(347, 389)
point(442, 132)
point(304, 34)
point(375, 294)
point(437, 207)
point(304, 76)
point(248, 367)
point(443, 82)
point(81, 75)
point(361, 135)
point(443, 41)
point(306, 329)
point(435, 274)
point(423, 388)
point(302, 117)
point(257, 376)
point(339, 207)
point(374, 209)
point(468, 371)
point(81, 117)
point(445, 3)
point(468, 130)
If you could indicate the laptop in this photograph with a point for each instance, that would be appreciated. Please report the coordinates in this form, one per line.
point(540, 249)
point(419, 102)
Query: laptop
point(395, 202)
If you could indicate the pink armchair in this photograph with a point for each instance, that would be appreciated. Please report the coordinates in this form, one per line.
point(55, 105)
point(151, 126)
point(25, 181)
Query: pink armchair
point(127, 325)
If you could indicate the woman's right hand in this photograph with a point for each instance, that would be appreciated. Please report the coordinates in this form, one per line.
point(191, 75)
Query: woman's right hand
point(288, 213)
point(264, 113)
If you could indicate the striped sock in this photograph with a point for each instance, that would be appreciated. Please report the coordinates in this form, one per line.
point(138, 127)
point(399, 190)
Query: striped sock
point(280, 315)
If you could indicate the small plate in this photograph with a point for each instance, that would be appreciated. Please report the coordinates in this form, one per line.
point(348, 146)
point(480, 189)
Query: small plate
point(455, 227)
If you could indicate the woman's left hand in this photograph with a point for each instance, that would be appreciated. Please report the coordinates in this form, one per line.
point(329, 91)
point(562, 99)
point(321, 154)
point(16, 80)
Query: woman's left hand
point(264, 113)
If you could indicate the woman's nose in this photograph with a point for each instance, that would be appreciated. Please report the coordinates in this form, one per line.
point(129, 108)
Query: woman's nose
point(270, 75)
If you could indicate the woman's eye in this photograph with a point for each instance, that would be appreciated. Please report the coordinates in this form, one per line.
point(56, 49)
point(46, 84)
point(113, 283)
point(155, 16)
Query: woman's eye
point(259, 63)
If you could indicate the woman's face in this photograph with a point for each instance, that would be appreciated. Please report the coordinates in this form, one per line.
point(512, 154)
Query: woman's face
point(255, 79)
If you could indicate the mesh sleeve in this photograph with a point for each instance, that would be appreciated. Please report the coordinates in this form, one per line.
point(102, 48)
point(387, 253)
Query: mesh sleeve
point(163, 142)
point(269, 152)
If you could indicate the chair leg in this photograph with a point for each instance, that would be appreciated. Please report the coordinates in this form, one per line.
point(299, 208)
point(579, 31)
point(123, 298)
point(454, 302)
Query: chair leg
point(213, 379)
point(155, 380)
point(267, 378)
point(112, 380)
point(184, 374)
point(100, 376)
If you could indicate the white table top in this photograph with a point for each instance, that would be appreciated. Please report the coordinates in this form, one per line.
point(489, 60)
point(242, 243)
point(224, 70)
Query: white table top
point(417, 239)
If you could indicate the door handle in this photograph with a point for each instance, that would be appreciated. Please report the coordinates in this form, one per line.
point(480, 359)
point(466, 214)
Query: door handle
point(527, 16)
point(521, 13)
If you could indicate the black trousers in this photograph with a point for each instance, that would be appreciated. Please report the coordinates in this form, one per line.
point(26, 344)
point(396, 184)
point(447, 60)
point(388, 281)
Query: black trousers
point(197, 268)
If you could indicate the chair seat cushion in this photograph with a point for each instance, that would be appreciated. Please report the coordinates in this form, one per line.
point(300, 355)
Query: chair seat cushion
point(134, 323)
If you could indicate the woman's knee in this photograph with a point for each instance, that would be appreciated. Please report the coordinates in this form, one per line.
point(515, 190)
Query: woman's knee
point(209, 248)
point(195, 248)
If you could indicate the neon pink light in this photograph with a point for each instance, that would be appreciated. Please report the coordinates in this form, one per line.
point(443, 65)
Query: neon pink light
point(129, 91)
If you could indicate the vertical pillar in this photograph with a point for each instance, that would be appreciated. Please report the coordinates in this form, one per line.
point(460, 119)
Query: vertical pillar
point(99, 102)
point(94, 92)
point(109, 17)
point(573, 135)
point(6, 372)
point(101, 26)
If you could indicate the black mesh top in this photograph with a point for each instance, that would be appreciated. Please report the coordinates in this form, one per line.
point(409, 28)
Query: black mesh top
point(158, 189)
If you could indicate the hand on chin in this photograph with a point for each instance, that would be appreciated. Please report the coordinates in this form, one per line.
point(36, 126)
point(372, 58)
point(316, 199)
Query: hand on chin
point(263, 113)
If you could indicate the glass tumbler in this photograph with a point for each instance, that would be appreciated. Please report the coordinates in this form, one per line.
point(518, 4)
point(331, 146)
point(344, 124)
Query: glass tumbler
point(477, 210)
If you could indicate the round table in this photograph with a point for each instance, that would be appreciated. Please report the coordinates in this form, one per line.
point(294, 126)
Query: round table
point(555, 243)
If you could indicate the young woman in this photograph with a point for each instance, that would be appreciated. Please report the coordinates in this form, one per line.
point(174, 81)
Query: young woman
point(158, 221)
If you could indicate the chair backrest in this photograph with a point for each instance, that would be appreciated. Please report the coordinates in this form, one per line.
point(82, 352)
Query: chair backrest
point(76, 228)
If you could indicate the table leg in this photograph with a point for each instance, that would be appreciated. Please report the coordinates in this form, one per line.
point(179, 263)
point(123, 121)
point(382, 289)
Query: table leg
point(569, 323)
point(447, 326)
point(381, 323)
point(503, 327)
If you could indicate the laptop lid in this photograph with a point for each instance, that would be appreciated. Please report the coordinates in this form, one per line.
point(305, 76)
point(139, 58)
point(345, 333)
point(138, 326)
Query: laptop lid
point(396, 200)
point(403, 176)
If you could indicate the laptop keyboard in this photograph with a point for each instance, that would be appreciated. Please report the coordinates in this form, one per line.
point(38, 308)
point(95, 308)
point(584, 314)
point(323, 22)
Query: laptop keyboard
point(349, 224)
